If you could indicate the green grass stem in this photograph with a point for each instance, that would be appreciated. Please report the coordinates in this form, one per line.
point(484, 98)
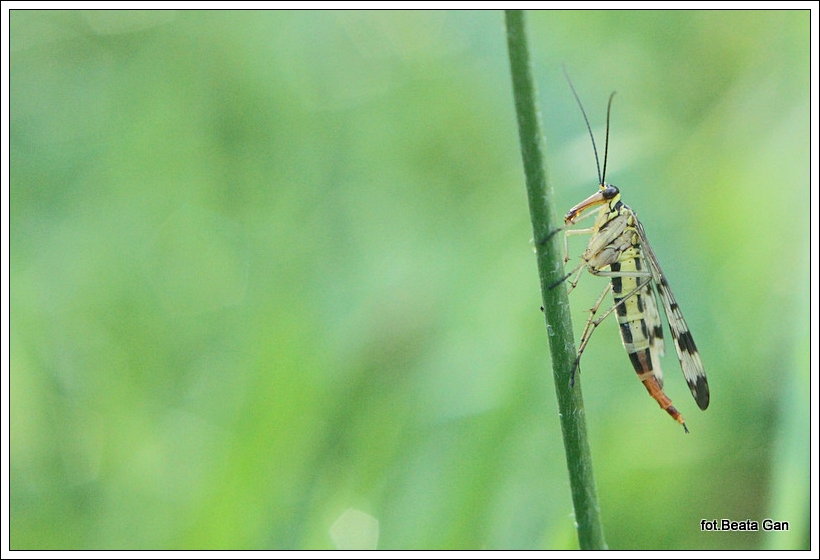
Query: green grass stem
point(556, 304)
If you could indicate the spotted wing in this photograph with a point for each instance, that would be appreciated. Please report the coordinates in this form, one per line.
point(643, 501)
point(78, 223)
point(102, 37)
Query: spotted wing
point(654, 326)
point(688, 354)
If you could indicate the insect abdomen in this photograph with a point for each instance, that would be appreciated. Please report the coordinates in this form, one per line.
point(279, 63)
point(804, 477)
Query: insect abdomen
point(630, 312)
point(639, 327)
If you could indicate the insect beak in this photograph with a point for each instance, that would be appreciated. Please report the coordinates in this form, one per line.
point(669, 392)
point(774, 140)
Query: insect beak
point(594, 200)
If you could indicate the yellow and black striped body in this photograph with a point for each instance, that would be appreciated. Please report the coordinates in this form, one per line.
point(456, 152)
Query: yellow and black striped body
point(640, 325)
point(615, 251)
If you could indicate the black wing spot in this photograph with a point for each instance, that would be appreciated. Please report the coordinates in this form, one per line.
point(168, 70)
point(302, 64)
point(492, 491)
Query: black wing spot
point(700, 390)
point(687, 343)
point(658, 331)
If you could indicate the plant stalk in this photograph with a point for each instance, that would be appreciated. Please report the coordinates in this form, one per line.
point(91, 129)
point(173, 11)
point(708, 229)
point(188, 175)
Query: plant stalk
point(549, 251)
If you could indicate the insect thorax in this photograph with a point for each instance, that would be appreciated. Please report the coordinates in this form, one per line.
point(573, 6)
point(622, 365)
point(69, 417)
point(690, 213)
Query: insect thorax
point(615, 241)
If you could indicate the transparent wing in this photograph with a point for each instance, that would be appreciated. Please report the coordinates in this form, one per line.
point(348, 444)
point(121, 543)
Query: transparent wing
point(654, 325)
point(688, 354)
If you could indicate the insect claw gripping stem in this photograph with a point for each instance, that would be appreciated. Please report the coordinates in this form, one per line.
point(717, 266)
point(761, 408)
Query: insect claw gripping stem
point(559, 282)
point(575, 368)
point(550, 235)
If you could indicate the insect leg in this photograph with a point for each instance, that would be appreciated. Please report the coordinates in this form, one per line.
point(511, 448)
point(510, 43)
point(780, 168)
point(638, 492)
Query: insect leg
point(588, 329)
point(577, 269)
point(583, 231)
point(592, 322)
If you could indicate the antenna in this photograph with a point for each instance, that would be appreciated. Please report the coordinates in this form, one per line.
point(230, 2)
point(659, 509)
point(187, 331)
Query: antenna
point(601, 177)
point(606, 144)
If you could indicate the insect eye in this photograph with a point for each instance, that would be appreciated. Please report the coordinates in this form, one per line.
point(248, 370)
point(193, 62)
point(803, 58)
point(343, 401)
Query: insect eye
point(610, 191)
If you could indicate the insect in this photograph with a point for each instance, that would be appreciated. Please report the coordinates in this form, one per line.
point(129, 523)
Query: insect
point(618, 249)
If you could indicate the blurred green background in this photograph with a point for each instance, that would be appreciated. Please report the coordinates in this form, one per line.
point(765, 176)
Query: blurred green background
point(272, 285)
